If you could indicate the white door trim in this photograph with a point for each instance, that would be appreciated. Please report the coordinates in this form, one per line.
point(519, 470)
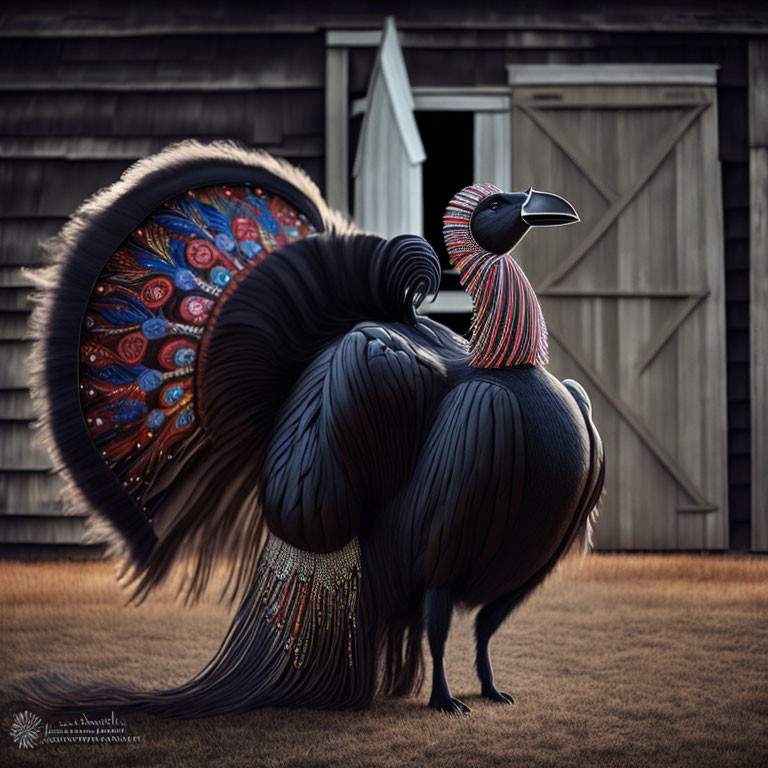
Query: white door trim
point(612, 74)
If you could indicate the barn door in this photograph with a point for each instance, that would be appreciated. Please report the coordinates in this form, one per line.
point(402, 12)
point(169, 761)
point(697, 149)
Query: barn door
point(633, 295)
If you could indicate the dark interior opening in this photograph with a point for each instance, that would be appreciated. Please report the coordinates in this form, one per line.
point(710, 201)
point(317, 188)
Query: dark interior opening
point(448, 139)
point(448, 142)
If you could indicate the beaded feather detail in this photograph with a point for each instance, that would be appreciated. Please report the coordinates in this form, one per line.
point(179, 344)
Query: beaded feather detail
point(508, 326)
point(142, 330)
point(299, 639)
point(310, 600)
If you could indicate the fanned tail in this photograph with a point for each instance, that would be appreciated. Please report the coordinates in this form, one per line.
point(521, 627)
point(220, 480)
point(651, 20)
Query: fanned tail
point(304, 636)
point(134, 280)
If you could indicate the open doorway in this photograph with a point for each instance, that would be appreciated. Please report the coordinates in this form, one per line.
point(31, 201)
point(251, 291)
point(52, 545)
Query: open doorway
point(448, 139)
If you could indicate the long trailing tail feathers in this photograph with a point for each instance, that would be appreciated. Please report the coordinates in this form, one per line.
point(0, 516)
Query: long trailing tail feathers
point(302, 637)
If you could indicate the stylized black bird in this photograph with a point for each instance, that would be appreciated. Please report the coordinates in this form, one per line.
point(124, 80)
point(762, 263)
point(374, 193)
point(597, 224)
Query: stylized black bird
point(228, 369)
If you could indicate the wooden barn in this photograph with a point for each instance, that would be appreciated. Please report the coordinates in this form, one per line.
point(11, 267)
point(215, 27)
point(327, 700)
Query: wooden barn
point(652, 119)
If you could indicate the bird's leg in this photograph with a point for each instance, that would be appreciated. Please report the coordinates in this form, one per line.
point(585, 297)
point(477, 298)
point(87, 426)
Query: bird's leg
point(438, 605)
point(488, 620)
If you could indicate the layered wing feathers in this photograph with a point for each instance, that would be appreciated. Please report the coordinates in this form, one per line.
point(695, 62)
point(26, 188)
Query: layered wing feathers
point(348, 434)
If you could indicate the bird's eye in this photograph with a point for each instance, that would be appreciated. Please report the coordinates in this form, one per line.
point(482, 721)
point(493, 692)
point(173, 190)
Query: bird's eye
point(494, 205)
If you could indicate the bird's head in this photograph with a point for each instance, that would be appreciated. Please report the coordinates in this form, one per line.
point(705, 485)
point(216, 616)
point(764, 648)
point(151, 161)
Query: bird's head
point(482, 224)
point(484, 219)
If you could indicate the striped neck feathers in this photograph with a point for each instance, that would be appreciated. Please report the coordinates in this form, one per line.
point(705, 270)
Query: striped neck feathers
point(508, 327)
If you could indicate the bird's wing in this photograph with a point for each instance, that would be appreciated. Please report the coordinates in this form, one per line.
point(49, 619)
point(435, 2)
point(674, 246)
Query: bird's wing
point(595, 483)
point(349, 433)
point(465, 491)
point(135, 280)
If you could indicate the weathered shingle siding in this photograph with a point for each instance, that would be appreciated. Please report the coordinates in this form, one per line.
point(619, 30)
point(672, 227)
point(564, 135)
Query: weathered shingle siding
point(75, 112)
point(87, 88)
point(734, 157)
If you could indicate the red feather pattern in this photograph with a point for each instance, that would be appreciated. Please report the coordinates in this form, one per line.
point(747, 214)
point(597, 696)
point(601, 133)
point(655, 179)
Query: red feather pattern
point(507, 325)
point(141, 333)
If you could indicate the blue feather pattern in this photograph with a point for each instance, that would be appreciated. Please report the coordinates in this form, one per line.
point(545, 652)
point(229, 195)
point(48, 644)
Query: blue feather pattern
point(144, 321)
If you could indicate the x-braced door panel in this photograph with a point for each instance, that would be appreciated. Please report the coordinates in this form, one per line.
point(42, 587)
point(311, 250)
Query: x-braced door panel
point(633, 294)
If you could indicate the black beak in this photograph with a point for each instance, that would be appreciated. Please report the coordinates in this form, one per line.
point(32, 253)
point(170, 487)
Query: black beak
point(543, 209)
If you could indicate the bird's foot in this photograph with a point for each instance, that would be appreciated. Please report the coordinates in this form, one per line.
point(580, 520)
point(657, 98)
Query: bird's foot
point(449, 705)
point(498, 696)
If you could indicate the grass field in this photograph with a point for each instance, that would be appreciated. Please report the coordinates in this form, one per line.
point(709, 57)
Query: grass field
point(617, 660)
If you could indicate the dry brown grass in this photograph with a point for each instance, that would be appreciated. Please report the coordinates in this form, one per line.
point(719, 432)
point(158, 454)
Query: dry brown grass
point(616, 661)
